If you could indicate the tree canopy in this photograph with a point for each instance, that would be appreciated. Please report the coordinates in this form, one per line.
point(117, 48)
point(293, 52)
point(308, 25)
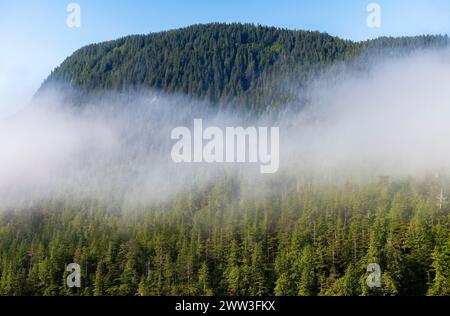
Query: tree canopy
point(222, 63)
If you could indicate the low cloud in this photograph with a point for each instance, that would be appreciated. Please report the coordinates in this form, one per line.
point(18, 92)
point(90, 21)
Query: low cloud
point(391, 120)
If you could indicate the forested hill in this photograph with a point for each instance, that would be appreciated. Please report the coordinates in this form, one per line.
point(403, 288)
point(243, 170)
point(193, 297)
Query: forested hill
point(220, 62)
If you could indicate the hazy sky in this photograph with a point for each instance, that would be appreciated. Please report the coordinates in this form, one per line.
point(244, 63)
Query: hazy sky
point(35, 37)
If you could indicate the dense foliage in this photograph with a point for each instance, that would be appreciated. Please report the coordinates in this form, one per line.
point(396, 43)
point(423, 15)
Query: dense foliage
point(216, 239)
point(254, 66)
point(221, 239)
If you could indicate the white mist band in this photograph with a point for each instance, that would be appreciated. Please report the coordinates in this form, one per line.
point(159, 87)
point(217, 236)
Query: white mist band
point(234, 145)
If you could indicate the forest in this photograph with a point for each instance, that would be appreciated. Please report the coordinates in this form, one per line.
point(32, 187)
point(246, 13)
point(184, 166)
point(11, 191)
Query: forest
point(221, 238)
point(259, 68)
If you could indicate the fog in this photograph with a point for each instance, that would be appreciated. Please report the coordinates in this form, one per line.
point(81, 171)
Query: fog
point(391, 120)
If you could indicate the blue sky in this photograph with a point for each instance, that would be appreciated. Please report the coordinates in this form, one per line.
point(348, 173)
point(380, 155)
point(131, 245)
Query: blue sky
point(36, 38)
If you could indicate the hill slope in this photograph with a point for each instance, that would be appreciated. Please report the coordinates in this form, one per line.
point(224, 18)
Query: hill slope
point(219, 62)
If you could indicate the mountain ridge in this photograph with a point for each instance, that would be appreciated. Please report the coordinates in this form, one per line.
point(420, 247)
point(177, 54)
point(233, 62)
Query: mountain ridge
point(221, 63)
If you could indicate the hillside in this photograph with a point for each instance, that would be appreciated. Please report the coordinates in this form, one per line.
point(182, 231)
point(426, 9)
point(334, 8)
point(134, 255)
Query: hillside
point(96, 188)
point(221, 63)
point(311, 241)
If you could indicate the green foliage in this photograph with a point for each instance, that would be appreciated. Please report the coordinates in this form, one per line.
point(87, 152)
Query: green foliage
point(217, 240)
point(258, 68)
point(312, 240)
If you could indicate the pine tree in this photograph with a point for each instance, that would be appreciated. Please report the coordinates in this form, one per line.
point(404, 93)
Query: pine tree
point(204, 281)
point(99, 280)
point(308, 282)
point(441, 263)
